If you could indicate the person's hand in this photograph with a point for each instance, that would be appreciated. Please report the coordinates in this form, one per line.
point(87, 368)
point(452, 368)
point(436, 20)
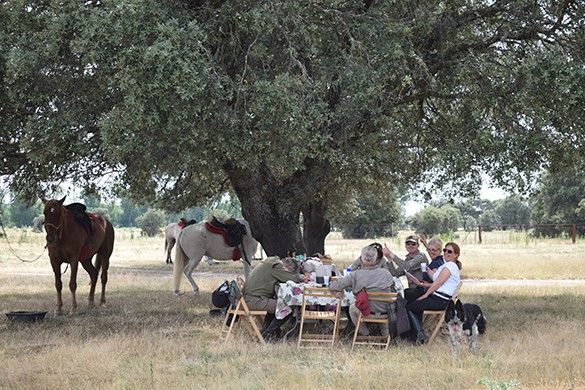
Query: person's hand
point(425, 284)
point(387, 252)
point(422, 297)
point(422, 238)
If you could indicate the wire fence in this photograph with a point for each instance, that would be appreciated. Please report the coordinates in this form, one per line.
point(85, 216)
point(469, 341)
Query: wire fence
point(520, 233)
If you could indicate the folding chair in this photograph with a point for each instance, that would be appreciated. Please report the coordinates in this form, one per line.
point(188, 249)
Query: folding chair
point(308, 338)
point(430, 315)
point(382, 341)
point(254, 318)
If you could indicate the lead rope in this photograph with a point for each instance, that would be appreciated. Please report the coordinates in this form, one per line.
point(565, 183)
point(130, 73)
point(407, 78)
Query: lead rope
point(12, 249)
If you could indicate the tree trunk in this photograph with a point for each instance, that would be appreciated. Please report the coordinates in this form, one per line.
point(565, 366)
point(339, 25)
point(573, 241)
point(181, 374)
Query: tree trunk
point(315, 227)
point(273, 213)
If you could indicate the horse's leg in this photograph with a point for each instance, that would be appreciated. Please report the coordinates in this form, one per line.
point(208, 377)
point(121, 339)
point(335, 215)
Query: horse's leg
point(73, 286)
point(105, 264)
point(93, 275)
point(169, 249)
point(193, 262)
point(58, 286)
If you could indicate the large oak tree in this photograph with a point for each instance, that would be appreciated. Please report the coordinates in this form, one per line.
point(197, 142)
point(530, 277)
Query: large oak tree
point(292, 105)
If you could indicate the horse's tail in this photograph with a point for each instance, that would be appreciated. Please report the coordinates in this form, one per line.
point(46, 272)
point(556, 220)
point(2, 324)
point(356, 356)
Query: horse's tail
point(179, 264)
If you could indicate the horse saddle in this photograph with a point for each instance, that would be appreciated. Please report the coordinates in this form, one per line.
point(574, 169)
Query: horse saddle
point(79, 213)
point(232, 230)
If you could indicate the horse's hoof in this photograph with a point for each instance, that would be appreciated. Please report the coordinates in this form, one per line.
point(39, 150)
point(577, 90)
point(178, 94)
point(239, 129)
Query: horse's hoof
point(72, 312)
point(178, 293)
point(58, 312)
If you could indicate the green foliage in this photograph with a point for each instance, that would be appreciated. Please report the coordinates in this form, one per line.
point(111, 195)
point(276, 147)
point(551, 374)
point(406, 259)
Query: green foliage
point(513, 211)
point(151, 222)
point(285, 102)
point(493, 384)
point(370, 216)
point(19, 214)
point(436, 220)
point(559, 201)
point(37, 224)
point(489, 220)
point(130, 212)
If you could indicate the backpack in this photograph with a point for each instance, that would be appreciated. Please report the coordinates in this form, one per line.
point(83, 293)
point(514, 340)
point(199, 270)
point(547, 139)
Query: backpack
point(221, 296)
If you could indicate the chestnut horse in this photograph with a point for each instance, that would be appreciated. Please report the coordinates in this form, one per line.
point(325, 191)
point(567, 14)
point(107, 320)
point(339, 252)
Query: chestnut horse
point(69, 242)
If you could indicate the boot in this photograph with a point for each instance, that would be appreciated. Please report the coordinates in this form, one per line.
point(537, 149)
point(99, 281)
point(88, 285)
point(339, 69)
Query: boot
point(267, 320)
point(421, 337)
point(272, 331)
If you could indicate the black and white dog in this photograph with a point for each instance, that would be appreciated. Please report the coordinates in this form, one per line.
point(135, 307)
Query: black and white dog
point(464, 319)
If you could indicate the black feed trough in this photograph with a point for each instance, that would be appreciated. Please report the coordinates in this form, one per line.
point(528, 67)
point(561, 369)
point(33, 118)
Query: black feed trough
point(26, 316)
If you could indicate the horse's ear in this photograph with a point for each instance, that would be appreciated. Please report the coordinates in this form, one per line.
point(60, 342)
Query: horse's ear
point(63, 200)
point(43, 200)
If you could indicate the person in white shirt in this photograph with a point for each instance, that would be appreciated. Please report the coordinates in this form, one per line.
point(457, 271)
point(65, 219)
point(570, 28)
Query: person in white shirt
point(446, 278)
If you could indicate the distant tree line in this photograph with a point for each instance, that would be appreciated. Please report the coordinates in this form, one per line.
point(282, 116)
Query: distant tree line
point(123, 213)
point(559, 201)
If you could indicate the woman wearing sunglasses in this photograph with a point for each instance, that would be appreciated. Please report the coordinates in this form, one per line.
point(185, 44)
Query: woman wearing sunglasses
point(446, 278)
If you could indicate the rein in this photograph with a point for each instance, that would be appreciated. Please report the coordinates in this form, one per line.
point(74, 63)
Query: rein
point(12, 249)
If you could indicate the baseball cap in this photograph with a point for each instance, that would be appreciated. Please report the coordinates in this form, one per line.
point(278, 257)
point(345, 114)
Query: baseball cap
point(412, 238)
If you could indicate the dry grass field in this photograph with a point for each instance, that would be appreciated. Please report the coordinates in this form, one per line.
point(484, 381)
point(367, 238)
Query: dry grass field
point(147, 338)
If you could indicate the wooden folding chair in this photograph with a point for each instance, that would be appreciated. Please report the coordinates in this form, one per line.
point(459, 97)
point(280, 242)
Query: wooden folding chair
point(307, 338)
point(253, 318)
point(429, 316)
point(382, 341)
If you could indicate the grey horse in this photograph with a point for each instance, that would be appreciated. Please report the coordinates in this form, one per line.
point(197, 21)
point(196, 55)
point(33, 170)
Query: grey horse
point(195, 241)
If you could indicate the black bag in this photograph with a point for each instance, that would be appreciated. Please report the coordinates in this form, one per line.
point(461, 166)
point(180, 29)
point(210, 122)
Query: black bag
point(221, 296)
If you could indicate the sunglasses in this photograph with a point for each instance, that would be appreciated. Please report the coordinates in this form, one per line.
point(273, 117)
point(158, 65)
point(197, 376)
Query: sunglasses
point(410, 243)
point(449, 251)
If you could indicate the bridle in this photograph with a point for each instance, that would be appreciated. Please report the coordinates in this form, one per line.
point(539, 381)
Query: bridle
point(58, 228)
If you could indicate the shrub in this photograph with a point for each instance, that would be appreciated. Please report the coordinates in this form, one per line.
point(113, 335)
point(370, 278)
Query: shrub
point(151, 222)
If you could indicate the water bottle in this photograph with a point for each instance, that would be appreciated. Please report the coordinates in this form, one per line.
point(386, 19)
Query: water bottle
point(347, 271)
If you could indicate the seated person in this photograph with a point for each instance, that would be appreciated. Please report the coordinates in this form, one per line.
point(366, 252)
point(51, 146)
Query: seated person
point(259, 290)
point(446, 278)
point(435, 248)
point(411, 263)
point(373, 278)
point(380, 262)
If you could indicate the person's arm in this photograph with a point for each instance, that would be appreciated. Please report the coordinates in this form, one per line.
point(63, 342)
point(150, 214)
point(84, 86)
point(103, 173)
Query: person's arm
point(442, 278)
point(423, 240)
point(341, 283)
point(393, 258)
point(282, 275)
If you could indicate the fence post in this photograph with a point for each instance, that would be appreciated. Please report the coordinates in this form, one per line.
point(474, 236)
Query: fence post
point(574, 233)
point(479, 233)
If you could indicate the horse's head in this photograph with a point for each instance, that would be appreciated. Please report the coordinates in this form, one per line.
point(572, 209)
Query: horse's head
point(54, 215)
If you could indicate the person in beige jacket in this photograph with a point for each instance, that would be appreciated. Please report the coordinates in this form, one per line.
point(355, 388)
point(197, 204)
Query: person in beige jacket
point(373, 278)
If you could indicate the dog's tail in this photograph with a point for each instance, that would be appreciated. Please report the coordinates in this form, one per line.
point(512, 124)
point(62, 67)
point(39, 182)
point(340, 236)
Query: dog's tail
point(481, 323)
